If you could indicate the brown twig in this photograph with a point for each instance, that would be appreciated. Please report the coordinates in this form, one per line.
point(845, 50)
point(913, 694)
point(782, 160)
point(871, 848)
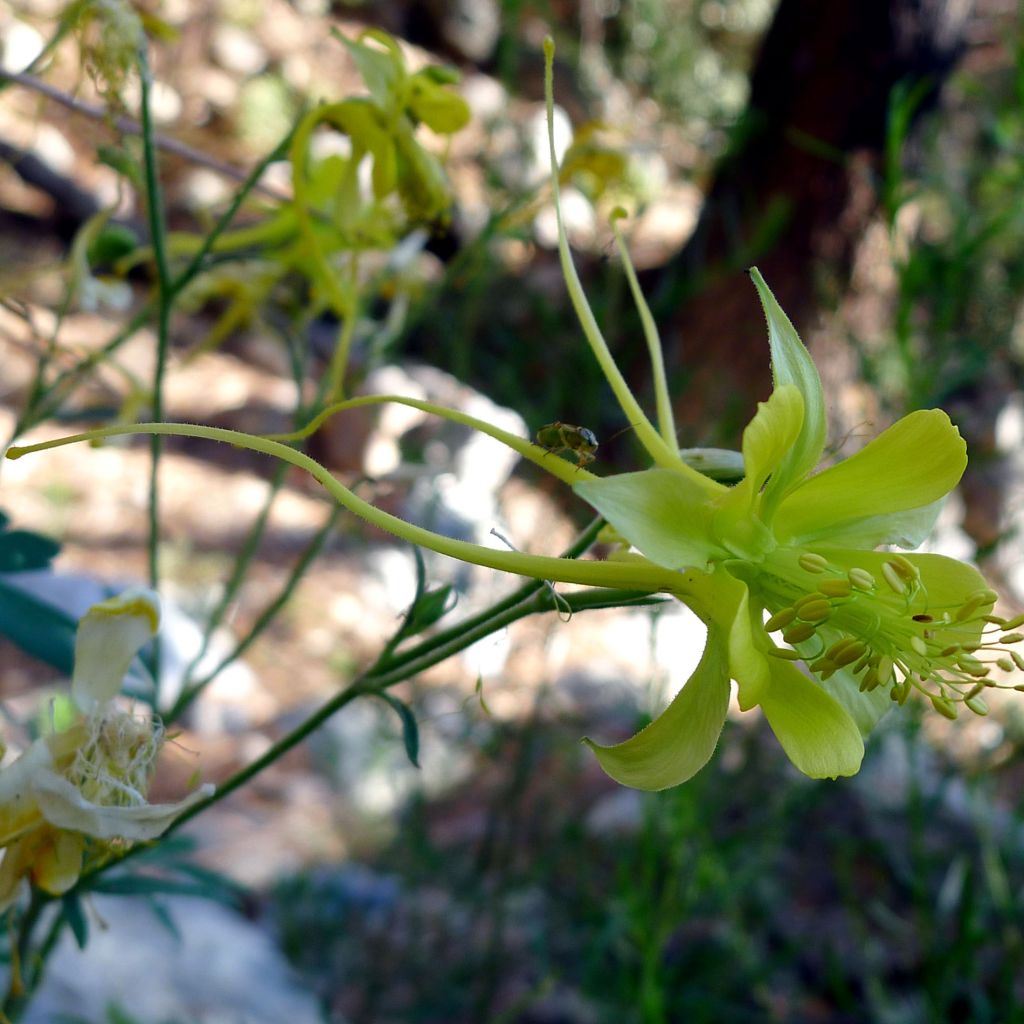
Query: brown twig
point(132, 127)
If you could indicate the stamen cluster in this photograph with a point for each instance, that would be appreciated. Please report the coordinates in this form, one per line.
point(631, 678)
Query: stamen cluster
point(887, 631)
point(115, 764)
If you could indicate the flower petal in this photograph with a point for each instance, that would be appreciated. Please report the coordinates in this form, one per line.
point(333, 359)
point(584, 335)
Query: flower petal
point(819, 737)
point(110, 634)
point(681, 740)
point(64, 806)
point(662, 513)
point(866, 709)
point(909, 466)
point(792, 364)
point(908, 529)
point(18, 810)
point(767, 440)
point(57, 861)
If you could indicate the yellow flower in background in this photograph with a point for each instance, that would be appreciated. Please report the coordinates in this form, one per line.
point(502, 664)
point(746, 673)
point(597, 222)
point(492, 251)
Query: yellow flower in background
point(82, 788)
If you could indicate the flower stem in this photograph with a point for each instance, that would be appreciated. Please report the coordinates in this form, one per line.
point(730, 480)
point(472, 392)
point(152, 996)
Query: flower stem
point(631, 575)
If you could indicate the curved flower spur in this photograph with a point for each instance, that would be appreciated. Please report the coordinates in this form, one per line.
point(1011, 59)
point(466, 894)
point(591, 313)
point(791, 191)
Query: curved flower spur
point(782, 567)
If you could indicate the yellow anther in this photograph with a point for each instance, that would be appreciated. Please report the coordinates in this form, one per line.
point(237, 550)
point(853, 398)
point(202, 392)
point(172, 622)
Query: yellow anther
point(922, 618)
point(870, 681)
point(1011, 638)
point(968, 608)
point(972, 666)
point(1018, 659)
point(893, 578)
point(785, 653)
point(1017, 620)
point(945, 707)
point(977, 705)
point(815, 611)
point(884, 669)
point(947, 652)
point(839, 646)
point(861, 579)
point(835, 588)
point(920, 647)
point(862, 663)
point(849, 654)
point(1005, 664)
point(799, 633)
point(822, 665)
point(901, 691)
point(811, 562)
point(780, 620)
point(976, 689)
point(905, 568)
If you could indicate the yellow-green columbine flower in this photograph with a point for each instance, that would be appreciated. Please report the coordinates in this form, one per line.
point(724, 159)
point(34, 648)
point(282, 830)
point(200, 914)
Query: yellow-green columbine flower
point(782, 567)
point(77, 791)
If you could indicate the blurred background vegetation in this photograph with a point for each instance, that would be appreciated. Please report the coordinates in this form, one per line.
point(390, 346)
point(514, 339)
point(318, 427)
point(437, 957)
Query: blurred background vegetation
point(870, 158)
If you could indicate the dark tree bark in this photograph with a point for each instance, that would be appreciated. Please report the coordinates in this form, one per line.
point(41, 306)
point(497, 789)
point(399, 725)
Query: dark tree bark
point(796, 190)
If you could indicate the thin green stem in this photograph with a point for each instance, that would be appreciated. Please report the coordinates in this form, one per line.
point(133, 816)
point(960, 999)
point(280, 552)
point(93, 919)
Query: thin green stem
point(18, 992)
point(663, 400)
point(374, 682)
point(565, 471)
point(661, 452)
point(164, 298)
point(632, 574)
point(238, 572)
point(190, 692)
point(340, 355)
point(389, 661)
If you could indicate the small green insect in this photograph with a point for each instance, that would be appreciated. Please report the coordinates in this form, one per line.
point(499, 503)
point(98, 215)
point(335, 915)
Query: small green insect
point(577, 443)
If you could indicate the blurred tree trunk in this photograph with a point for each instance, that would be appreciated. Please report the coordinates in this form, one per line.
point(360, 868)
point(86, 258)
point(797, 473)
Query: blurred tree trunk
point(795, 191)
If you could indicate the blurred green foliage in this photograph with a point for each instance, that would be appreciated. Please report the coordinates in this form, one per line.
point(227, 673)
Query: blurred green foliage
point(954, 206)
point(747, 895)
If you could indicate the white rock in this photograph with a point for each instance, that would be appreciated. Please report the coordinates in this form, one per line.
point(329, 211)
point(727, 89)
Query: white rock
point(219, 968)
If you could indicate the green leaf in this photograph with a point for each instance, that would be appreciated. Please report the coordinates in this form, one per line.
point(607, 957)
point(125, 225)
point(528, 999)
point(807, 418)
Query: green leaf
point(21, 550)
point(410, 730)
point(681, 740)
point(428, 609)
point(792, 364)
point(146, 885)
point(914, 463)
point(664, 514)
point(71, 908)
point(38, 628)
point(815, 731)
